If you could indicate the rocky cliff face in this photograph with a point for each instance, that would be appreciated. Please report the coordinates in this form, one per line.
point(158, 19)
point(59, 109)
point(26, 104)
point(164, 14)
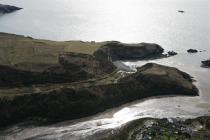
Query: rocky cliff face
point(8, 8)
point(154, 76)
point(71, 102)
point(88, 63)
point(120, 51)
point(71, 67)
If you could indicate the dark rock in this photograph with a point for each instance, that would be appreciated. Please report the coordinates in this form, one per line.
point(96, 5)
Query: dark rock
point(72, 67)
point(119, 51)
point(192, 51)
point(12, 77)
point(71, 103)
point(189, 129)
point(181, 11)
point(8, 9)
point(172, 53)
point(208, 123)
point(154, 76)
point(206, 63)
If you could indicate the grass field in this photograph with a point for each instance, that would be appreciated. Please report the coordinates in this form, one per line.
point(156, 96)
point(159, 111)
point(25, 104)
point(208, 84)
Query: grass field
point(15, 49)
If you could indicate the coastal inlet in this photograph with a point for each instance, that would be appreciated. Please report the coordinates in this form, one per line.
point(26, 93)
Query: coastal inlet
point(51, 64)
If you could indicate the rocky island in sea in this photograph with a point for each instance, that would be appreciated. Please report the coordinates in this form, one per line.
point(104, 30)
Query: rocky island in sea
point(4, 9)
point(78, 78)
point(206, 63)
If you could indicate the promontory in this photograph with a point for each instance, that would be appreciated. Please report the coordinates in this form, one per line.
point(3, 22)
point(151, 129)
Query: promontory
point(53, 81)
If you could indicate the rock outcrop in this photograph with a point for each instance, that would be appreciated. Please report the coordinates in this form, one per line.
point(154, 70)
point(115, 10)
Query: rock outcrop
point(71, 67)
point(87, 98)
point(172, 53)
point(206, 63)
point(120, 51)
point(8, 8)
point(192, 51)
point(164, 129)
point(153, 76)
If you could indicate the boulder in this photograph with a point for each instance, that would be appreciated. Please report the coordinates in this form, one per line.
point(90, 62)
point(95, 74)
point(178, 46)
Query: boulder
point(172, 53)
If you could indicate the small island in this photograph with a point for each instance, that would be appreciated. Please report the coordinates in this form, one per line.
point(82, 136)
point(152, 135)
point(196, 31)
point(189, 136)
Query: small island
point(77, 78)
point(4, 9)
point(192, 51)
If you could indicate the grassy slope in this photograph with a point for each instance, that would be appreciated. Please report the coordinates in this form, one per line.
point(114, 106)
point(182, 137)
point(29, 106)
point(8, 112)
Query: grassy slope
point(16, 49)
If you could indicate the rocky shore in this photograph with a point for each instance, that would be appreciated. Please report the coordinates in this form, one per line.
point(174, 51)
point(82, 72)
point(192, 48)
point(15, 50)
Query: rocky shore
point(165, 129)
point(50, 81)
point(4, 9)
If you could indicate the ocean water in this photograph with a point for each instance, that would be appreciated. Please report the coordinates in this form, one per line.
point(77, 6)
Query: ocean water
point(123, 20)
point(128, 21)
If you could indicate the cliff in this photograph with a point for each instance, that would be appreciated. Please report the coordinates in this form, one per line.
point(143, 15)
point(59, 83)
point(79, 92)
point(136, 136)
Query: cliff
point(120, 51)
point(70, 101)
